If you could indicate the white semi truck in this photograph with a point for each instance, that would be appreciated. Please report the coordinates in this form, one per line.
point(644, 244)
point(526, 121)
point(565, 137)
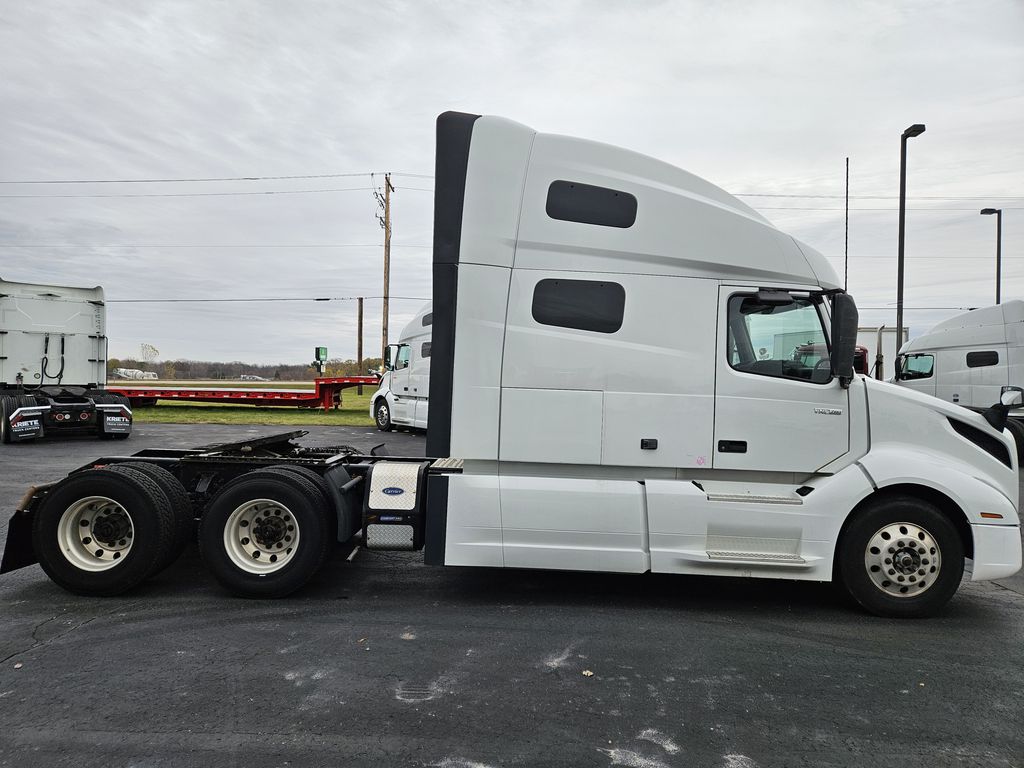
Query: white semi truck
point(402, 397)
point(53, 368)
point(970, 359)
point(599, 401)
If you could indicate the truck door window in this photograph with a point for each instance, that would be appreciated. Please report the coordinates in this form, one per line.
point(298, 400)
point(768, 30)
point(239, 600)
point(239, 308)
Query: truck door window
point(915, 367)
point(785, 341)
point(403, 357)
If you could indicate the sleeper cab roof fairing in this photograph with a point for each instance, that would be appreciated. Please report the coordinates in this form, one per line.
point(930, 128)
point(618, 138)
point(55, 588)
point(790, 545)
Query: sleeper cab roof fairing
point(516, 214)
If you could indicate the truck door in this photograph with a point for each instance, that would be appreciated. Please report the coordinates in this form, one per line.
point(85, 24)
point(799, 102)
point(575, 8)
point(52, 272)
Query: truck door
point(917, 371)
point(401, 389)
point(777, 406)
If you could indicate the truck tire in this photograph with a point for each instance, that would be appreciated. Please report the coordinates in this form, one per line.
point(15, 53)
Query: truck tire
point(100, 533)
point(263, 535)
point(900, 558)
point(317, 489)
point(177, 496)
point(7, 406)
point(382, 414)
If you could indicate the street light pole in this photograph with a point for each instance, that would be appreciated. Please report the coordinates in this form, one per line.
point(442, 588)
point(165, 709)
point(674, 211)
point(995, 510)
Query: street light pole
point(999, 245)
point(915, 130)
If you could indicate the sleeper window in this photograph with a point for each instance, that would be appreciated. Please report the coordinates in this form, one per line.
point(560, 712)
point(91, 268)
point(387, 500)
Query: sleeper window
point(586, 305)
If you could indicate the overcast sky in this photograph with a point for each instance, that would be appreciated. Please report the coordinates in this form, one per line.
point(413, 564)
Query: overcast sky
point(759, 98)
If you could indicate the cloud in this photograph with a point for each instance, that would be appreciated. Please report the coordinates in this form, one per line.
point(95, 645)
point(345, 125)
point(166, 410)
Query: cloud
point(755, 97)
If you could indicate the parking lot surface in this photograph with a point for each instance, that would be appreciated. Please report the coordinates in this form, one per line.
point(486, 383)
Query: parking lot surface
point(385, 661)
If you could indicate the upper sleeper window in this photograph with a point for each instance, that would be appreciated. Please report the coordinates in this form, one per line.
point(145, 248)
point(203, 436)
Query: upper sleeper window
point(587, 204)
point(586, 305)
point(428, 319)
point(981, 359)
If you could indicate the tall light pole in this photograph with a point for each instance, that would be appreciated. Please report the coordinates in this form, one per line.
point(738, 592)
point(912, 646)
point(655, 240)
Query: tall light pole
point(915, 130)
point(999, 245)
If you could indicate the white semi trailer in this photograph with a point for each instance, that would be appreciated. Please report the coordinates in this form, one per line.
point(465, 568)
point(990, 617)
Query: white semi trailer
point(599, 401)
point(53, 368)
point(402, 397)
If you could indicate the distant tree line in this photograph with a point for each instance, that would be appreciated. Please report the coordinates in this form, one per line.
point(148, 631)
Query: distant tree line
point(206, 370)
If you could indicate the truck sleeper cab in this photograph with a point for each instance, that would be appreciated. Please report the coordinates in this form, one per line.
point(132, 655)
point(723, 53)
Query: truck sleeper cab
point(969, 359)
point(401, 398)
point(613, 343)
point(53, 350)
point(613, 388)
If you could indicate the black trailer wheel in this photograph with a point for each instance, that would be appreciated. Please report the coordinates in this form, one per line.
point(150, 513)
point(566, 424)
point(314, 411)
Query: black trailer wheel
point(177, 496)
point(901, 557)
point(7, 406)
point(382, 415)
point(264, 534)
point(101, 533)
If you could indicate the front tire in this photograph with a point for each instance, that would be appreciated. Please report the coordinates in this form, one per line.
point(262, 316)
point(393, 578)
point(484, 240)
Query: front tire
point(382, 415)
point(264, 535)
point(901, 558)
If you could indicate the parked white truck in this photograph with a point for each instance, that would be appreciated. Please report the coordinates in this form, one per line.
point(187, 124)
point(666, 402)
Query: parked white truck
point(606, 394)
point(970, 359)
point(401, 398)
point(53, 368)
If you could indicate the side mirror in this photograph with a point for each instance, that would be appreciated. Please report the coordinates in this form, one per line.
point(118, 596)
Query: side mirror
point(1012, 397)
point(844, 337)
point(388, 358)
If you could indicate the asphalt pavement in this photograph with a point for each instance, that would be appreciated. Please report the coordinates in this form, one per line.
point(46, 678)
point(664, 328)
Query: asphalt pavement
point(383, 661)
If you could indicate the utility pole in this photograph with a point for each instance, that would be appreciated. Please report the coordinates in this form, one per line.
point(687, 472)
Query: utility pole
point(385, 221)
point(359, 344)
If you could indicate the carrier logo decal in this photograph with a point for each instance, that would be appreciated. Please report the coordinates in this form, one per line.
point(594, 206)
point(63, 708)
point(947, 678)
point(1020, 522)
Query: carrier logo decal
point(392, 491)
point(829, 411)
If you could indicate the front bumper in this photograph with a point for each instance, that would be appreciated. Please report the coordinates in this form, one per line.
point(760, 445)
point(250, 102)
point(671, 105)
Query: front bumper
point(997, 551)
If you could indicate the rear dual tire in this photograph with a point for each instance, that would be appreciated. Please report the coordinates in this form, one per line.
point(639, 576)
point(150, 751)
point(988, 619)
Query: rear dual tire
point(8, 405)
point(266, 533)
point(101, 532)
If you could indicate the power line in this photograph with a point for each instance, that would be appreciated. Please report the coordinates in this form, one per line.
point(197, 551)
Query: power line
point(260, 299)
point(878, 197)
point(207, 179)
point(892, 210)
point(212, 245)
point(204, 194)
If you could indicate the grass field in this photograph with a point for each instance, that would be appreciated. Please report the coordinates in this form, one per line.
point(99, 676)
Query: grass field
point(354, 412)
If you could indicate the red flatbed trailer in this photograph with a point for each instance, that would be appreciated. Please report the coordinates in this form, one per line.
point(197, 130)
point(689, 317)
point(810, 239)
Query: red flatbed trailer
point(326, 395)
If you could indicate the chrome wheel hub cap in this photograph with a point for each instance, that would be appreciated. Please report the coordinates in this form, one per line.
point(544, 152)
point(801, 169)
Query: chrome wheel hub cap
point(903, 559)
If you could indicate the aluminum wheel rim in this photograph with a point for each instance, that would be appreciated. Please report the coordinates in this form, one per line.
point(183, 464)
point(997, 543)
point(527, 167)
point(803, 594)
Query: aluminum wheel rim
point(95, 533)
point(382, 415)
point(903, 559)
point(261, 536)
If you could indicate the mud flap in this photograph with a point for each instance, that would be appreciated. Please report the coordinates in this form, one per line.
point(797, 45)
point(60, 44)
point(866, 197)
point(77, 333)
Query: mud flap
point(18, 551)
